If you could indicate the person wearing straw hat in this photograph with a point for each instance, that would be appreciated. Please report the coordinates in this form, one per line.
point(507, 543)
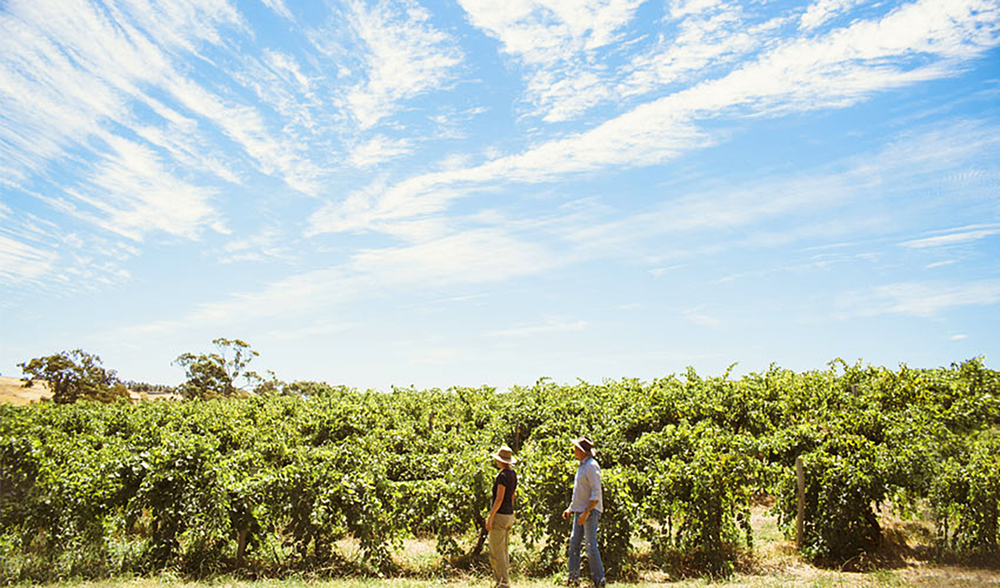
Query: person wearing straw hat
point(585, 510)
point(501, 517)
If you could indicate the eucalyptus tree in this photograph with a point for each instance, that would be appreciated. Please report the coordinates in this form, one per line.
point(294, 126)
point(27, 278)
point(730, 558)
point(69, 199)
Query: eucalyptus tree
point(215, 375)
point(74, 375)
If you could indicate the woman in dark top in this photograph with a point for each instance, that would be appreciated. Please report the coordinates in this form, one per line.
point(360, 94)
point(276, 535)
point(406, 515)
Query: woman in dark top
point(501, 517)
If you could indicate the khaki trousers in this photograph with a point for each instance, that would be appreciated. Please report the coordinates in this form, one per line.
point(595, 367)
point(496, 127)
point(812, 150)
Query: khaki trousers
point(499, 538)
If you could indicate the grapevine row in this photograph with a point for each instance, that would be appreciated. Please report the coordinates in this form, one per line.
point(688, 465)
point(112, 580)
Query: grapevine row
point(268, 485)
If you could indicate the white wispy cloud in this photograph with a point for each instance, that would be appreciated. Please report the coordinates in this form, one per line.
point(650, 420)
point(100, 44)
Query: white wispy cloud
point(36, 254)
point(270, 243)
point(49, 101)
point(556, 41)
point(292, 93)
point(68, 73)
point(290, 298)
point(551, 325)
point(21, 262)
point(78, 75)
point(322, 330)
point(379, 149)
point(564, 94)
point(681, 8)
point(247, 127)
point(498, 248)
point(808, 208)
point(719, 212)
point(955, 236)
point(659, 272)
point(699, 317)
point(833, 70)
point(944, 263)
point(475, 256)
point(625, 141)
point(68, 68)
point(130, 193)
point(111, 93)
point(822, 11)
point(180, 141)
point(804, 209)
point(279, 7)
point(920, 298)
point(41, 253)
point(451, 122)
point(402, 55)
point(547, 31)
point(703, 39)
point(934, 151)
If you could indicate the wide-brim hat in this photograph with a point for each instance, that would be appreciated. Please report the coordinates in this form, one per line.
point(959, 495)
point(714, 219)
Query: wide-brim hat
point(585, 445)
point(505, 454)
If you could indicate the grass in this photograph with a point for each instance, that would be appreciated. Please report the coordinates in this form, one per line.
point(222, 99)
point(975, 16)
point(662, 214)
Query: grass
point(773, 563)
point(801, 576)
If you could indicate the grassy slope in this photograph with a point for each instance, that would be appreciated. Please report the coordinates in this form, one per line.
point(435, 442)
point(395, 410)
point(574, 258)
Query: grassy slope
point(13, 392)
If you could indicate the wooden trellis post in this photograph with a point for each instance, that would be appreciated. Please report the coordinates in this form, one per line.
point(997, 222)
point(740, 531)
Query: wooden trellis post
point(801, 514)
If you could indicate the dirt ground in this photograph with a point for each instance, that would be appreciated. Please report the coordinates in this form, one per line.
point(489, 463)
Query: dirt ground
point(803, 576)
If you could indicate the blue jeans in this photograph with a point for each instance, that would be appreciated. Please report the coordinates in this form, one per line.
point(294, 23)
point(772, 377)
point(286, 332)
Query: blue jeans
point(588, 532)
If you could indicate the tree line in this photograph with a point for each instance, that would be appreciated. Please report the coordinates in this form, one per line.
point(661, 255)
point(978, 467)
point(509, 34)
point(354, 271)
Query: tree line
point(78, 375)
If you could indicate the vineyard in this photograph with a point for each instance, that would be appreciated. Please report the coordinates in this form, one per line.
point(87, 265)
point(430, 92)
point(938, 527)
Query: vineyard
point(274, 484)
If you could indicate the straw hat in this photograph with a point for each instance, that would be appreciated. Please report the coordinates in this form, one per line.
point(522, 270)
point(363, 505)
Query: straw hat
point(585, 445)
point(505, 454)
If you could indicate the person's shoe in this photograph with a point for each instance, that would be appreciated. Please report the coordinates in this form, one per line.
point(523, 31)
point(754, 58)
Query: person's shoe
point(600, 584)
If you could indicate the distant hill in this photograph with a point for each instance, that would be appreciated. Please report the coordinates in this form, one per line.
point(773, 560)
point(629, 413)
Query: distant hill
point(12, 391)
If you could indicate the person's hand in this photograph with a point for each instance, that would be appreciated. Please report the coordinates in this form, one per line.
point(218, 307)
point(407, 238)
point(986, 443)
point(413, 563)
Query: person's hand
point(583, 517)
point(489, 524)
point(566, 514)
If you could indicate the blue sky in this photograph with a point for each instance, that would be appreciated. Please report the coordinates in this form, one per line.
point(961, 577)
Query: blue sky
point(475, 192)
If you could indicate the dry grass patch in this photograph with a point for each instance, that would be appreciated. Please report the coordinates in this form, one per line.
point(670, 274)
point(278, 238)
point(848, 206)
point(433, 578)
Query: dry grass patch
point(798, 576)
point(12, 391)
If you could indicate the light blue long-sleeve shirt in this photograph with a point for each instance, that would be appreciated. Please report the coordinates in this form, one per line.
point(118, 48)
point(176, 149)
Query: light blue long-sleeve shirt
point(587, 486)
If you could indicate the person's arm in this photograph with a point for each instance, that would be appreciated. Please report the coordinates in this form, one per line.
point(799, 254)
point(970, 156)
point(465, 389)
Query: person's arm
point(568, 513)
point(501, 489)
point(579, 479)
point(586, 513)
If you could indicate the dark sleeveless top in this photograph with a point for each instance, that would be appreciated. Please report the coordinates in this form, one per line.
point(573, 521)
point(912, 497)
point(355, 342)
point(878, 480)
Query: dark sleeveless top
point(508, 479)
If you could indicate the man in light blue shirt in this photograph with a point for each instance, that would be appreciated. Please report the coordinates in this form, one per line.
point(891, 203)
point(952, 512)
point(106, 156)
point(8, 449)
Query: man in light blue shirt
point(586, 509)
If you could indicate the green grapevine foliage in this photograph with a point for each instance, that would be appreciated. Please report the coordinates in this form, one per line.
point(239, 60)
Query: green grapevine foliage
point(333, 479)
